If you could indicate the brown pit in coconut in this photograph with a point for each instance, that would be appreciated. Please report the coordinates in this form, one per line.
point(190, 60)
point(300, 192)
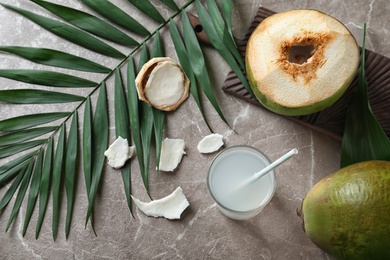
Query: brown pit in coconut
point(300, 53)
point(162, 83)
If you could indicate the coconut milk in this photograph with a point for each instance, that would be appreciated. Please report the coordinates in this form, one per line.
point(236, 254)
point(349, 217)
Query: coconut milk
point(231, 167)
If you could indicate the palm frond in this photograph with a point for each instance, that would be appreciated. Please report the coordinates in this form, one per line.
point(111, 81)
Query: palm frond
point(44, 191)
point(53, 165)
point(55, 58)
point(88, 23)
point(24, 135)
point(47, 78)
point(116, 15)
point(122, 129)
point(21, 192)
point(198, 65)
point(99, 142)
point(27, 121)
point(219, 45)
point(69, 33)
point(158, 115)
point(37, 96)
point(57, 172)
point(148, 8)
point(34, 190)
point(71, 170)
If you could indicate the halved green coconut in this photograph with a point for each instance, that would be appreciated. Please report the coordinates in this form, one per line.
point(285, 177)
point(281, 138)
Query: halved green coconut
point(300, 61)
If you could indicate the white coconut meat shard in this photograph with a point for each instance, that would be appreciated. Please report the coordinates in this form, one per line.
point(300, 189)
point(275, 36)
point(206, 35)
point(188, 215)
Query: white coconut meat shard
point(210, 143)
point(172, 151)
point(300, 61)
point(119, 152)
point(170, 207)
point(162, 83)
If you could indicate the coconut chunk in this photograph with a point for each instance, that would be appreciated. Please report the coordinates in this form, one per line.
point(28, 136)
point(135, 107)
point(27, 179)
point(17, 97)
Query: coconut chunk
point(162, 83)
point(119, 152)
point(169, 207)
point(210, 143)
point(172, 151)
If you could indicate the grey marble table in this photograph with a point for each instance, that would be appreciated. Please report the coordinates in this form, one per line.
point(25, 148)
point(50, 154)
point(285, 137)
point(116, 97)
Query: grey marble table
point(203, 232)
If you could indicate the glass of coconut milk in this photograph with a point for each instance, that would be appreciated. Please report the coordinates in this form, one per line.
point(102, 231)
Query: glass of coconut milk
point(233, 166)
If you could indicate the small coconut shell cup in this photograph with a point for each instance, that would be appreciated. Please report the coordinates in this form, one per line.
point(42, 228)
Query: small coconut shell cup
point(162, 83)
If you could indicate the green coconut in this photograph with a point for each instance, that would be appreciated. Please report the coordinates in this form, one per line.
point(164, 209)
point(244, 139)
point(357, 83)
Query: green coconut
point(347, 214)
point(301, 61)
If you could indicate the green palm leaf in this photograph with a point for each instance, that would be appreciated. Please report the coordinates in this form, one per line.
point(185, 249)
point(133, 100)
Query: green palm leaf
point(219, 45)
point(22, 191)
point(13, 172)
point(223, 32)
point(34, 190)
point(24, 135)
point(87, 145)
point(70, 170)
point(171, 4)
point(185, 63)
point(55, 58)
point(158, 115)
point(147, 8)
point(69, 33)
point(147, 123)
point(199, 64)
point(122, 129)
point(27, 121)
point(116, 15)
point(47, 78)
point(364, 138)
point(57, 172)
point(133, 108)
point(89, 23)
point(20, 147)
point(12, 189)
point(99, 141)
point(44, 192)
point(37, 96)
point(10, 168)
point(227, 9)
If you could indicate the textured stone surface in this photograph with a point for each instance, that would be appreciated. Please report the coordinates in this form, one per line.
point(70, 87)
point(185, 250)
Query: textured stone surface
point(202, 233)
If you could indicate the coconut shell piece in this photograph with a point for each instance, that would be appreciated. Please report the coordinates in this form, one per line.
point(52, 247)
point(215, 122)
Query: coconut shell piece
point(162, 83)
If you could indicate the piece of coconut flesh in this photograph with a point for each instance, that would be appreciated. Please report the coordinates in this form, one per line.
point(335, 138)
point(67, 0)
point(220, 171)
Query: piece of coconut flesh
point(119, 152)
point(170, 207)
point(210, 143)
point(172, 151)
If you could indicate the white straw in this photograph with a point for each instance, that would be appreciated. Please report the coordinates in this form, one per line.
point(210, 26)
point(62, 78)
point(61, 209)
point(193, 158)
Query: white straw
point(264, 171)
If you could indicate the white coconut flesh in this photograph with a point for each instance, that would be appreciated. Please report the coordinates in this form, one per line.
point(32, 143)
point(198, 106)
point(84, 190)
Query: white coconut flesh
point(119, 152)
point(301, 58)
point(172, 151)
point(162, 83)
point(170, 207)
point(210, 143)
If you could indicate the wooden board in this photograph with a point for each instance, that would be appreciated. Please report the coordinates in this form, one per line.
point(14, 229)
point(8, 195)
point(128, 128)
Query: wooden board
point(331, 120)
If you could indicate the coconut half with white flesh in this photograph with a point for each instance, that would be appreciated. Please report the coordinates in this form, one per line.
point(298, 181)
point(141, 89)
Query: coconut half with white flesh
point(210, 143)
point(162, 83)
point(170, 207)
point(300, 61)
